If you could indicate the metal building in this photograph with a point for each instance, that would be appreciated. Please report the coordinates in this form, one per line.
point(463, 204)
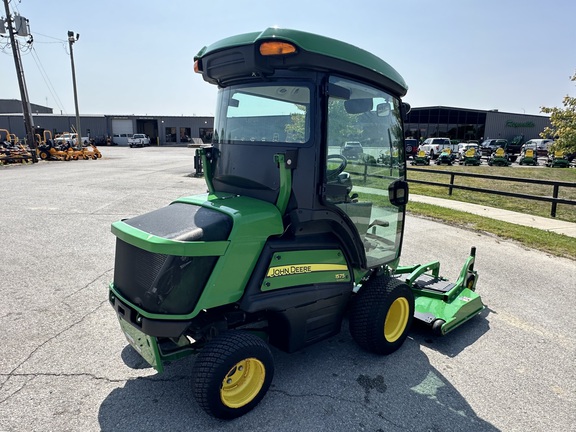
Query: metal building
point(470, 124)
point(162, 130)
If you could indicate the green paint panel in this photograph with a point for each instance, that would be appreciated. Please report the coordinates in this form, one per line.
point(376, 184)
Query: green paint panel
point(466, 305)
point(255, 222)
point(296, 268)
point(147, 346)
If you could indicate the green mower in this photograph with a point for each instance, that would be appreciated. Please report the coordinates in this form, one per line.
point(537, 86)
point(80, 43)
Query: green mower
point(281, 246)
point(421, 158)
point(528, 156)
point(471, 157)
point(446, 157)
point(499, 158)
point(557, 159)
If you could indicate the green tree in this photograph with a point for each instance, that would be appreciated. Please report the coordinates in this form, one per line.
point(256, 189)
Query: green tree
point(296, 129)
point(563, 121)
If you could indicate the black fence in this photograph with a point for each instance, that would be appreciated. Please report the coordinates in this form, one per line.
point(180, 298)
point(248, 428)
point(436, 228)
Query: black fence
point(554, 200)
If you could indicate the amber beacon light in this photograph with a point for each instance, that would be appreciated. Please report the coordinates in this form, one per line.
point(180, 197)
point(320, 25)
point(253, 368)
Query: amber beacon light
point(276, 48)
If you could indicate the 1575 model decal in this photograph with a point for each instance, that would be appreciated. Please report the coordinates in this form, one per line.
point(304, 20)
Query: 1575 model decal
point(289, 270)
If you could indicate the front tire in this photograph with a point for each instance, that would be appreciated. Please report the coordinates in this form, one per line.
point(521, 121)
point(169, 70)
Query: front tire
point(232, 374)
point(381, 315)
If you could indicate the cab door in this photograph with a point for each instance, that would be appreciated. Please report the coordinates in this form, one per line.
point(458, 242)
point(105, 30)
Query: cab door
point(371, 190)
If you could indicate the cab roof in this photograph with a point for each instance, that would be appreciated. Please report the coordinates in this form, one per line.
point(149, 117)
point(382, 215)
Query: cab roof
point(347, 59)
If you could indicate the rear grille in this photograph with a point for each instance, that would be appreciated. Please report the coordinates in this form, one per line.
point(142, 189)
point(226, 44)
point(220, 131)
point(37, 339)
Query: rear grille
point(167, 284)
point(157, 283)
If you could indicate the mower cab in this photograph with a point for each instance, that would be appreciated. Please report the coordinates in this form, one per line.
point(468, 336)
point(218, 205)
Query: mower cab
point(291, 233)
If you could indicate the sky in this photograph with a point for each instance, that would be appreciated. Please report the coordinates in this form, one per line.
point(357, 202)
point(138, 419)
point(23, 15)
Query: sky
point(136, 57)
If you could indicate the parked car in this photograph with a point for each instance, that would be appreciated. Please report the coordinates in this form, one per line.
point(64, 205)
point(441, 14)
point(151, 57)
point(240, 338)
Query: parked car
point(515, 145)
point(139, 140)
point(352, 150)
point(411, 145)
point(434, 146)
point(489, 146)
point(540, 146)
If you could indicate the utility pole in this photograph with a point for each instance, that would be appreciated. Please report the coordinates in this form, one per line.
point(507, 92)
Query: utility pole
point(28, 121)
point(71, 40)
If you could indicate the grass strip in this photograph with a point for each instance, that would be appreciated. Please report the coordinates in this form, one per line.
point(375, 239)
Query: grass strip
point(553, 243)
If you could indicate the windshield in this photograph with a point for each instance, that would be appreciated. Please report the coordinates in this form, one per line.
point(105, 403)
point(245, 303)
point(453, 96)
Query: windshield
point(263, 113)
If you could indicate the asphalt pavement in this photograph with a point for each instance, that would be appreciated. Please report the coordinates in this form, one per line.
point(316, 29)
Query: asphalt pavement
point(65, 365)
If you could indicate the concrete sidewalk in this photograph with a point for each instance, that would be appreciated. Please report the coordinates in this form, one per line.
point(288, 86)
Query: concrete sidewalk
point(547, 224)
point(543, 223)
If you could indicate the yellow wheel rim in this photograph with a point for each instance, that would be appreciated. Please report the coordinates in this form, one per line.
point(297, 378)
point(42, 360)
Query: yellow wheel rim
point(396, 319)
point(242, 383)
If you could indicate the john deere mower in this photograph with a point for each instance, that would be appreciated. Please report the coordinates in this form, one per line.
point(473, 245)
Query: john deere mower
point(557, 159)
point(528, 156)
point(281, 246)
point(499, 158)
point(446, 157)
point(421, 158)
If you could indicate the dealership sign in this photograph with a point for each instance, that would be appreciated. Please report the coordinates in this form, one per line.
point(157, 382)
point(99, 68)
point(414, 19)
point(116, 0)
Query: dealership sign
point(527, 124)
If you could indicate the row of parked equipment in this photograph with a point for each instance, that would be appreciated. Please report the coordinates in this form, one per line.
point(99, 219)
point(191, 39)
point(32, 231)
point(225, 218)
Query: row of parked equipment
point(59, 148)
point(499, 157)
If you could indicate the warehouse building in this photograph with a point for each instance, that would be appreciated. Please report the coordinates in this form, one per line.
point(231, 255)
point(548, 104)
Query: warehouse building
point(162, 130)
point(469, 124)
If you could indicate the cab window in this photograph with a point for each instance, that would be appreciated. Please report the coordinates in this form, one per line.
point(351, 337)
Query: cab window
point(358, 176)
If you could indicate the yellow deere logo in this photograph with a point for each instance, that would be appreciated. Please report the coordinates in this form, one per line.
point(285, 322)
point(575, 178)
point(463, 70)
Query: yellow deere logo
point(290, 270)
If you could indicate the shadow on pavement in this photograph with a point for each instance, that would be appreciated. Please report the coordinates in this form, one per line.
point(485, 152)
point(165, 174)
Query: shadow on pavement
point(458, 339)
point(331, 386)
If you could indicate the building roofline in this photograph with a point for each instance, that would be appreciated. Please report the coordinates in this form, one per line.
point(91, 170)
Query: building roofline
point(479, 110)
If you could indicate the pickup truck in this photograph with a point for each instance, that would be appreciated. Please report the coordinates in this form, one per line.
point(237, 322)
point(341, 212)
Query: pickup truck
point(139, 140)
point(434, 146)
point(72, 138)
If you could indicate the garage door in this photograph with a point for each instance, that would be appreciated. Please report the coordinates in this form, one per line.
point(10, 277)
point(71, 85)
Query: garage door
point(122, 130)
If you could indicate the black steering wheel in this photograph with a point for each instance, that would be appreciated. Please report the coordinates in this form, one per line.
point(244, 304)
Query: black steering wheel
point(332, 174)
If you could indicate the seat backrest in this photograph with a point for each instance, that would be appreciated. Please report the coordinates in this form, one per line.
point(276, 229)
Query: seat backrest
point(421, 153)
point(500, 152)
point(558, 154)
point(529, 153)
point(471, 152)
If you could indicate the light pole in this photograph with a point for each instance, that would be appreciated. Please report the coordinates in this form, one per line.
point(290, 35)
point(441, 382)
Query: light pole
point(28, 120)
point(71, 40)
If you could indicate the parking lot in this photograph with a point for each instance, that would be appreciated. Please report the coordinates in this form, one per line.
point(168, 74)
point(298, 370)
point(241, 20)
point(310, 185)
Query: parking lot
point(65, 365)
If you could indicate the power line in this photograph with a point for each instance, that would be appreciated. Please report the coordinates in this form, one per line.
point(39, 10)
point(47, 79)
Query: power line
point(50, 37)
point(47, 81)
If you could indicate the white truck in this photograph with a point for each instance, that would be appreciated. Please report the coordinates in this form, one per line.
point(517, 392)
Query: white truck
point(434, 146)
point(139, 140)
point(72, 138)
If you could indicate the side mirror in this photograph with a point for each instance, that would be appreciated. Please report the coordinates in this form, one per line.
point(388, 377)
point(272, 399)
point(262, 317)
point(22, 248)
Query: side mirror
point(398, 193)
point(405, 108)
point(383, 110)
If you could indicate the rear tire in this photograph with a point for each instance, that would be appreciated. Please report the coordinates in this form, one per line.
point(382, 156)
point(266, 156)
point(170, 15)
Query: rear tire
point(232, 374)
point(381, 315)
